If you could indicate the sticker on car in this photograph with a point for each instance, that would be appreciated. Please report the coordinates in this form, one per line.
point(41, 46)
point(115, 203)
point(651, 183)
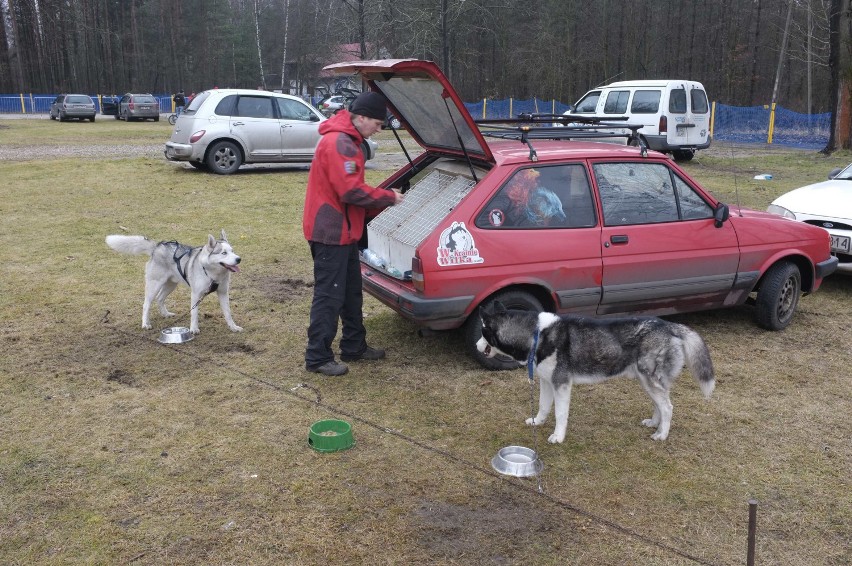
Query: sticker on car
point(456, 246)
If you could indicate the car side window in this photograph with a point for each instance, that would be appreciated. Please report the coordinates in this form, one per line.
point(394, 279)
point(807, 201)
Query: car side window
point(692, 206)
point(645, 102)
point(646, 193)
point(635, 193)
point(293, 110)
point(677, 101)
point(225, 106)
point(616, 102)
point(588, 104)
point(254, 107)
point(542, 197)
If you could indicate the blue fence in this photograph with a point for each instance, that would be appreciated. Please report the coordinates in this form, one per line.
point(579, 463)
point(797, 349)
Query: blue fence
point(750, 124)
point(40, 103)
point(757, 124)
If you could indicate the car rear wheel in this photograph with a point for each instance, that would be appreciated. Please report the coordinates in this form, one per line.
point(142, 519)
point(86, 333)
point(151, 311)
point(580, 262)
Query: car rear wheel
point(224, 158)
point(518, 300)
point(683, 155)
point(778, 296)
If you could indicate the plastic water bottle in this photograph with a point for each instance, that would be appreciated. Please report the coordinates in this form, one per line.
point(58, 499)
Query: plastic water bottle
point(763, 177)
point(394, 272)
point(371, 258)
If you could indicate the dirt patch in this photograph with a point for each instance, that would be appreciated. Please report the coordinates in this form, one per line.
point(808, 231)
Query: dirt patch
point(122, 377)
point(284, 290)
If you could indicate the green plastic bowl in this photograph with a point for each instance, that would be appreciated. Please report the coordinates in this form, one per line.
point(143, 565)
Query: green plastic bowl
point(331, 435)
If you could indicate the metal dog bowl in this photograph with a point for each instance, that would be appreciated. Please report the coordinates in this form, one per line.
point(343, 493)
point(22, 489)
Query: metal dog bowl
point(330, 436)
point(517, 461)
point(175, 335)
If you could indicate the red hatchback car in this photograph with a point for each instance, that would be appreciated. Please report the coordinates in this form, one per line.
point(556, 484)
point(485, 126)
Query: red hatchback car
point(565, 225)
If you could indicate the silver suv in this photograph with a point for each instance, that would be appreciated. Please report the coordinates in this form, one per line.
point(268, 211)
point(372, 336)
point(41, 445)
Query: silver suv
point(138, 107)
point(222, 129)
point(67, 106)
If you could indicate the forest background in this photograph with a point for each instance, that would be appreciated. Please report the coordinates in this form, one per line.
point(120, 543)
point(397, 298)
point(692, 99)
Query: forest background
point(489, 48)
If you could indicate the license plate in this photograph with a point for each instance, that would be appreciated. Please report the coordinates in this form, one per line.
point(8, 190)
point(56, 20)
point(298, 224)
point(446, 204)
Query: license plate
point(840, 244)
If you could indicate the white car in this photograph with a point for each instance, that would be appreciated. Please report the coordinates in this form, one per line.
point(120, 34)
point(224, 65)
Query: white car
point(222, 129)
point(828, 205)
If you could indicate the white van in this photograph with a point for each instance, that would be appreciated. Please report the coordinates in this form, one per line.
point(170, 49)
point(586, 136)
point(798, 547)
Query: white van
point(675, 114)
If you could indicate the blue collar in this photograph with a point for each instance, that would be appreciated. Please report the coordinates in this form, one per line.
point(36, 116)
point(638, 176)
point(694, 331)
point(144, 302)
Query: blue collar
point(531, 357)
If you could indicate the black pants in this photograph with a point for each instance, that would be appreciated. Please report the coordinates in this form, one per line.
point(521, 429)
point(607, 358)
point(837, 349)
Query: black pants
point(337, 295)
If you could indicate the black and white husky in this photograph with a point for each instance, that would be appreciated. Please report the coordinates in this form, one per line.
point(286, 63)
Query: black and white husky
point(204, 268)
point(568, 350)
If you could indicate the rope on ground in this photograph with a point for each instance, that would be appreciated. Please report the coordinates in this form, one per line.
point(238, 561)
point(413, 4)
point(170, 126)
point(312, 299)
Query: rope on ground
point(420, 444)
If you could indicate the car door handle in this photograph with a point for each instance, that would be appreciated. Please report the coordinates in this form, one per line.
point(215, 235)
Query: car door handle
point(620, 239)
point(238, 123)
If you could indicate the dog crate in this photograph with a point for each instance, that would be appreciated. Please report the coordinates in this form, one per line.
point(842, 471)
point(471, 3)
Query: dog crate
point(396, 232)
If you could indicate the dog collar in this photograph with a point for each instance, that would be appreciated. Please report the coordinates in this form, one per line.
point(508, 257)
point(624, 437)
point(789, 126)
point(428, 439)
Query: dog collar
point(531, 357)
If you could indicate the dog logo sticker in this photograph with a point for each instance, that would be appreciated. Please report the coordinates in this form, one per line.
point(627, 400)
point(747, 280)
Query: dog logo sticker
point(456, 246)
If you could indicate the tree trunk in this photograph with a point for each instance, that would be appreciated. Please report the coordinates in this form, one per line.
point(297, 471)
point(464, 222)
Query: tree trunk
point(840, 63)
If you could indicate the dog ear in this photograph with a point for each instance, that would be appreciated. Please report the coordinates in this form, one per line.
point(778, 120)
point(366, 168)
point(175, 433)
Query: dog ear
point(499, 308)
point(224, 236)
point(211, 241)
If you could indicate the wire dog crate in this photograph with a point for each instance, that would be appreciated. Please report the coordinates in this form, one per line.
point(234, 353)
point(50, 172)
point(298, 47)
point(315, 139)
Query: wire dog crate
point(396, 232)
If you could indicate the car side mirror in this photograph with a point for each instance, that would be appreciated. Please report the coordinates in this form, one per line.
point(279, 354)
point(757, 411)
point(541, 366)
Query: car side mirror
point(834, 172)
point(721, 214)
point(314, 118)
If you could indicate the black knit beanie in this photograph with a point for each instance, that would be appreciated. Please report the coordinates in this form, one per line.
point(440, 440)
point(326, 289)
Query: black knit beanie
point(370, 104)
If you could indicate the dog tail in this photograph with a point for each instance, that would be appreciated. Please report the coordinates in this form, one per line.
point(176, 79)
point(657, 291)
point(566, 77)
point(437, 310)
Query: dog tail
point(133, 245)
point(698, 360)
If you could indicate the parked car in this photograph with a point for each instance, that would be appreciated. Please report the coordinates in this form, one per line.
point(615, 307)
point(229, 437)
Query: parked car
point(332, 104)
point(68, 106)
point(109, 106)
point(138, 107)
point(828, 205)
point(674, 114)
point(222, 129)
point(541, 223)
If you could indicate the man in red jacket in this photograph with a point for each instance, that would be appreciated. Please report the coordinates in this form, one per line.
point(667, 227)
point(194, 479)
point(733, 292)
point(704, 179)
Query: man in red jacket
point(336, 206)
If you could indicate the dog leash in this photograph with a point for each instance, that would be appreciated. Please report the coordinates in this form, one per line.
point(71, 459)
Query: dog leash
point(531, 374)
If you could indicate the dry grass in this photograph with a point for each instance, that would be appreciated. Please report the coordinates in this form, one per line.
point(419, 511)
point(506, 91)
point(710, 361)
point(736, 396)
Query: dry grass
point(119, 450)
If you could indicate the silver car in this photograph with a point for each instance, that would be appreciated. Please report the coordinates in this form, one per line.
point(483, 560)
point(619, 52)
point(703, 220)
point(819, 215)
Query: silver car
point(138, 107)
point(68, 106)
point(222, 129)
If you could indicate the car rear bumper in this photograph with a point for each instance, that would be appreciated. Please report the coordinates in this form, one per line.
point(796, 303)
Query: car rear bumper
point(178, 151)
point(661, 143)
point(436, 314)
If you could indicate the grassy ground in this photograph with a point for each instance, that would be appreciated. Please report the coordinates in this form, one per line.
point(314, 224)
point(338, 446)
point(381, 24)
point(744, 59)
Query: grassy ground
point(119, 450)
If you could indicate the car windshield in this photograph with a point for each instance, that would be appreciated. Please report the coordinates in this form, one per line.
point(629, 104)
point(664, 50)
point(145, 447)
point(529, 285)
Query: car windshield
point(145, 99)
point(78, 99)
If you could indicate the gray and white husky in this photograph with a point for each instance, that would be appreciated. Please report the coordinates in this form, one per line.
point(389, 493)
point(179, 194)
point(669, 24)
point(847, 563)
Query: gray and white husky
point(568, 350)
point(204, 268)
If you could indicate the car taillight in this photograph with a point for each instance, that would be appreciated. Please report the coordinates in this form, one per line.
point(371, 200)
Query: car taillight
point(130, 105)
point(417, 278)
point(197, 136)
point(664, 124)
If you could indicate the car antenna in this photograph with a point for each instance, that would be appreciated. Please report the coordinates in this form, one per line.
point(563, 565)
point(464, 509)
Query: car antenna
point(736, 186)
point(445, 95)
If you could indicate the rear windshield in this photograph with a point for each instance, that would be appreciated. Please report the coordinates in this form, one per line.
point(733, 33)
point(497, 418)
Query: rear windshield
point(78, 99)
point(698, 98)
point(677, 101)
point(144, 99)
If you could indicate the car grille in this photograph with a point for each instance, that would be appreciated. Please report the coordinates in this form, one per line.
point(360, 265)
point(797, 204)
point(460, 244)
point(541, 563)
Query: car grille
point(834, 225)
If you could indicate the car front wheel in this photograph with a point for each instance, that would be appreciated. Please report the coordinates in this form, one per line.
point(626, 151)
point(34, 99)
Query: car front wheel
point(224, 158)
point(517, 300)
point(778, 296)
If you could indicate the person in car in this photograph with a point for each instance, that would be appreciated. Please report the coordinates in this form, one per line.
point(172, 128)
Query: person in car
point(337, 202)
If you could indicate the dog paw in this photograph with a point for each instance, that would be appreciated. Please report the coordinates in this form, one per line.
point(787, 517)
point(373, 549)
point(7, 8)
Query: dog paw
point(556, 439)
point(194, 330)
point(650, 423)
point(532, 421)
point(146, 326)
point(168, 314)
point(236, 328)
point(659, 436)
